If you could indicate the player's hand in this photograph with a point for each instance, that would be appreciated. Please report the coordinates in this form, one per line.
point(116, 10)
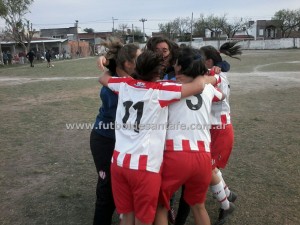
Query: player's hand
point(215, 70)
point(101, 63)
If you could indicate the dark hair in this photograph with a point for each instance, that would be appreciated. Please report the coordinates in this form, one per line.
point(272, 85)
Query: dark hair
point(173, 47)
point(118, 53)
point(229, 48)
point(127, 53)
point(148, 65)
point(191, 62)
point(112, 45)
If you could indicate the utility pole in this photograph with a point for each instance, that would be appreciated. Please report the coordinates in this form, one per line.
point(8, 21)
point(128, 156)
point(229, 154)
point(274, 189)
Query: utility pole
point(143, 21)
point(132, 33)
point(192, 29)
point(113, 30)
point(78, 46)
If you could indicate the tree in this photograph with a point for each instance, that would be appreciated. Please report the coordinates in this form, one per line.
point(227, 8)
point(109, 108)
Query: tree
point(3, 12)
point(176, 28)
point(289, 20)
point(215, 24)
point(123, 28)
point(17, 27)
point(200, 26)
point(137, 34)
point(238, 24)
point(3, 9)
point(167, 30)
point(89, 30)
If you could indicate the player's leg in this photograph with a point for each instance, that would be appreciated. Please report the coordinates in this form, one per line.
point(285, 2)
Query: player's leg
point(200, 214)
point(183, 210)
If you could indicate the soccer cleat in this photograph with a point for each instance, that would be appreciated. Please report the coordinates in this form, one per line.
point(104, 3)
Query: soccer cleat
point(224, 214)
point(171, 216)
point(232, 196)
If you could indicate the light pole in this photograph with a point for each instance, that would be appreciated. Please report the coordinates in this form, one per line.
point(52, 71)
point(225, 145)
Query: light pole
point(192, 29)
point(113, 30)
point(143, 21)
point(78, 46)
point(132, 33)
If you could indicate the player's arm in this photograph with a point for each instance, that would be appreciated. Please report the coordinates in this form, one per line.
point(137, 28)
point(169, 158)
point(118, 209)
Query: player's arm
point(104, 78)
point(110, 64)
point(218, 95)
point(102, 62)
point(193, 88)
point(213, 76)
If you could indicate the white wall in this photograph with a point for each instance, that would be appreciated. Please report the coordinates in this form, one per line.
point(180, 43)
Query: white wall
point(282, 43)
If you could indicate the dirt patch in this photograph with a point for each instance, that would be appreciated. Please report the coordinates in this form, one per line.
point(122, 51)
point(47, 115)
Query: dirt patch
point(25, 103)
point(242, 83)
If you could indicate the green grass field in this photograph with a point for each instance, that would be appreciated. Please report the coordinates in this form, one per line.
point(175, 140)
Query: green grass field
point(47, 174)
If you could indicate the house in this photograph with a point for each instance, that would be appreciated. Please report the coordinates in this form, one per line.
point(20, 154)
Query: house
point(260, 29)
point(268, 29)
point(95, 39)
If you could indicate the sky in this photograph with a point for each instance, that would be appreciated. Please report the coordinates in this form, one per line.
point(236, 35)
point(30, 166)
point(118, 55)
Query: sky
point(104, 15)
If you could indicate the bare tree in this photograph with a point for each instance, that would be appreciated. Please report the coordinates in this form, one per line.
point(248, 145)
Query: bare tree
point(3, 12)
point(238, 24)
point(289, 20)
point(17, 27)
point(215, 24)
point(123, 28)
point(200, 26)
point(168, 29)
point(176, 28)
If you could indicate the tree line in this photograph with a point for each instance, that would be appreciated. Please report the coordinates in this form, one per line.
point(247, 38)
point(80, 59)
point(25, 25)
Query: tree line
point(181, 28)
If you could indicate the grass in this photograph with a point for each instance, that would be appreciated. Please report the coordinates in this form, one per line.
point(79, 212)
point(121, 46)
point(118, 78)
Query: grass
point(47, 171)
point(266, 60)
point(82, 67)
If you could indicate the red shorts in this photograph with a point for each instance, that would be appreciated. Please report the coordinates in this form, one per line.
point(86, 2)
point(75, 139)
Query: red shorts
point(135, 191)
point(221, 145)
point(192, 169)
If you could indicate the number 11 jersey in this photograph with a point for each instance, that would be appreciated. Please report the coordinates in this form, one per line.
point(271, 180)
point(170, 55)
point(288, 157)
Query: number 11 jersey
point(141, 121)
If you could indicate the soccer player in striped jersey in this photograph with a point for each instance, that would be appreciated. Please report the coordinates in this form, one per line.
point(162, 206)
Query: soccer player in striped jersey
point(102, 137)
point(221, 131)
point(140, 135)
point(221, 136)
point(187, 159)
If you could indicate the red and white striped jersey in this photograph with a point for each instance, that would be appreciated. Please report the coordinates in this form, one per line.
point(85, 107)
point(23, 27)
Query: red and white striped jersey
point(220, 111)
point(141, 121)
point(189, 122)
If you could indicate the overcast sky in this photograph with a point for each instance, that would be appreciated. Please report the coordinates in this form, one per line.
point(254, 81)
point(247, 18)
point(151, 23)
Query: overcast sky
point(99, 14)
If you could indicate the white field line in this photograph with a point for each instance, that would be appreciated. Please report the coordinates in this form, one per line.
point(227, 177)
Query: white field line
point(257, 68)
point(23, 80)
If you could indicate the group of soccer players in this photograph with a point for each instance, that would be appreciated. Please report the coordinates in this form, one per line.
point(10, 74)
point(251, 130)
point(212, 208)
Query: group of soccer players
point(141, 169)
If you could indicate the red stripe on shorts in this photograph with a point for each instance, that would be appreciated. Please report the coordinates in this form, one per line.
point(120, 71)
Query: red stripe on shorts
point(223, 119)
point(126, 161)
point(186, 145)
point(169, 145)
point(201, 146)
point(143, 162)
point(115, 156)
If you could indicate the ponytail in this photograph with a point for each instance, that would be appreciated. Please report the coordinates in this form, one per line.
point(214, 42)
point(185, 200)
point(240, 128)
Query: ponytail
point(231, 49)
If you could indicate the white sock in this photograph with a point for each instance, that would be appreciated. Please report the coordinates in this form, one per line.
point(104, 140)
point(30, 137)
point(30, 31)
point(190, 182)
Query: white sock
point(226, 188)
point(219, 193)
